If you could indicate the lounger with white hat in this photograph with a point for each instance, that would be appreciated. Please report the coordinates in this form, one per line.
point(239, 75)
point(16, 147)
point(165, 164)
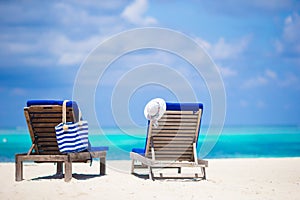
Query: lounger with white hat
point(171, 140)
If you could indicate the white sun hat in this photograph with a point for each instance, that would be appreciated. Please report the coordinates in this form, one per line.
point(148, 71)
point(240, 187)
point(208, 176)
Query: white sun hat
point(154, 110)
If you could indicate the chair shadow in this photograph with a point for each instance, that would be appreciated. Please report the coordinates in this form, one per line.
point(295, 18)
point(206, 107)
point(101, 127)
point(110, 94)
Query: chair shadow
point(182, 179)
point(142, 176)
point(75, 176)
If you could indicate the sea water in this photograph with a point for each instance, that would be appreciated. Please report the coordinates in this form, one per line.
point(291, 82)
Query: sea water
point(233, 142)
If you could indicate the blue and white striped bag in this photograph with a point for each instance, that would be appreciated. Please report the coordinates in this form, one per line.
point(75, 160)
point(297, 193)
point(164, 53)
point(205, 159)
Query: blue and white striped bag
point(72, 136)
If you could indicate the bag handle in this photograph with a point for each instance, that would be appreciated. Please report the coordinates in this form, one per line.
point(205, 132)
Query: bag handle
point(64, 113)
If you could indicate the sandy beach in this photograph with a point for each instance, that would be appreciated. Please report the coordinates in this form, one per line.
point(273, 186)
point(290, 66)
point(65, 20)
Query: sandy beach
point(263, 178)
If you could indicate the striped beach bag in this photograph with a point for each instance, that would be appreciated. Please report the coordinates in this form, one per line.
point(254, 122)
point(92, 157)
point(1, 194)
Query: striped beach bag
point(71, 136)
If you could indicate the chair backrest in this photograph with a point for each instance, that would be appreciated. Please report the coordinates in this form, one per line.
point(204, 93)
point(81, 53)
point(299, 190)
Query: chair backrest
point(177, 130)
point(42, 117)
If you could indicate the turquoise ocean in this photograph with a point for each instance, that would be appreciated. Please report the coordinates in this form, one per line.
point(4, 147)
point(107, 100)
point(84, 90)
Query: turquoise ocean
point(233, 142)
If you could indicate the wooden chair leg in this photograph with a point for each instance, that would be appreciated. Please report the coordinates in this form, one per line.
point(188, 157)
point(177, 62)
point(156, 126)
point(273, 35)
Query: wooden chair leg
point(132, 166)
point(102, 165)
point(59, 168)
point(68, 171)
point(19, 169)
point(204, 173)
point(151, 175)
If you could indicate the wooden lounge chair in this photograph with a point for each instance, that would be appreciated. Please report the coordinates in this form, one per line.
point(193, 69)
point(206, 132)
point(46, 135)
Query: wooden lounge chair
point(173, 143)
point(41, 117)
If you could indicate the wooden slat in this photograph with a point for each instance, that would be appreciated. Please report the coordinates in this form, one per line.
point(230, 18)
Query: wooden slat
point(46, 139)
point(176, 148)
point(168, 116)
point(47, 120)
point(45, 109)
point(172, 157)
point(172, 123)
point(175, 141)
point(177, 112)
point(47, 115)
point(176, 128)
point(172, 131)
point(172, 149)
point(48, 108)
point(50, 153)
point(164, 146)
point(45, 129)
point(48, 146)
point(44, 125)
point(47, 143)
point(171, 134)
point(169, 139)
point(171, 153)
point(178, 120)
point(45, 134)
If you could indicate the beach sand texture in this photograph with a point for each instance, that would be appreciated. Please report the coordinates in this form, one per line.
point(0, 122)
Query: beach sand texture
point(260, 178)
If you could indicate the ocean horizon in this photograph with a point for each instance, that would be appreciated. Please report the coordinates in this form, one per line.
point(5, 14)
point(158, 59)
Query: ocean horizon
point(268, 141)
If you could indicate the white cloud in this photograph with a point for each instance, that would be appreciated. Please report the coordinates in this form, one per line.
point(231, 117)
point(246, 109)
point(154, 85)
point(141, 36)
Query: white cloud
point(135, 12)
point(244, 103)
point(289, 43)
point(291, 28)
point(260, 80)
point(227, 72)
point(260, 104)
point(18, 91)
point(75, 28)
point(271, 77)
point(271, 74)
point(222, 49)
point(271, 5)
point(59, 48)
point(255, 82)
point(290, 80)
point(70, 52)
point(109, 5)
point(74, 16)
point(254, 7)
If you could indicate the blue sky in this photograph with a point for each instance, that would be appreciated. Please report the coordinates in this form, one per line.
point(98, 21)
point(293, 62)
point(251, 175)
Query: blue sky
point(255, 44)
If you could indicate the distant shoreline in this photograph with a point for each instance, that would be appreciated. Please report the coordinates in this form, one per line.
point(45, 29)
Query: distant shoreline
point(247, 142)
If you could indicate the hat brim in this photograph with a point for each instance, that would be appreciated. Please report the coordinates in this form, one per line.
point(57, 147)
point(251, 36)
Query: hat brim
point(162, 105)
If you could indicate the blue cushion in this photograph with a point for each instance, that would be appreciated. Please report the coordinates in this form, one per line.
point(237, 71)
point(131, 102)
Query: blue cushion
point(184, 106)
point(139, 151)
point(98, 148)
point(49, 102)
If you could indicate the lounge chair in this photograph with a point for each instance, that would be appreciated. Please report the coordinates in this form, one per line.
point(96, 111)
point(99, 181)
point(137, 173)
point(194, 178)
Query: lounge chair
point(173, 143)
point(41, 117)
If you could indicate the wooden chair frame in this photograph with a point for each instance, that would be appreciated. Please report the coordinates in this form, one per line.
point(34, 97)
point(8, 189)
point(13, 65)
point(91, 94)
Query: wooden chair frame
point(172, 144)
point(41, 120)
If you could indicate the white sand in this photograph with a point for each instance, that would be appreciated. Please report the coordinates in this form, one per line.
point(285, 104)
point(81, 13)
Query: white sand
point(227, 179)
